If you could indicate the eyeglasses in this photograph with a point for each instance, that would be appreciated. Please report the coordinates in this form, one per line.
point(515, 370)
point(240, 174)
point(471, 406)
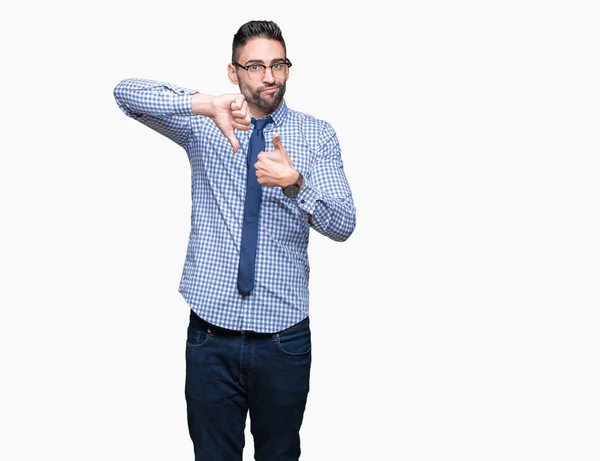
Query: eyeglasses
point(257, 71)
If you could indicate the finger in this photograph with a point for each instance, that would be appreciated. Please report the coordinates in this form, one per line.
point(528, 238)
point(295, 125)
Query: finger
point(262, 177)
point(240, 126)
point(242, 120)
point(247, 109)
point(237, 102)
point(269, 156)
point(241, 113)
point(259, 174)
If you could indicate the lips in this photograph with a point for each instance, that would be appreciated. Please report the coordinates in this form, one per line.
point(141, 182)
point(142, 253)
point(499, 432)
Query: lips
point(270, 90)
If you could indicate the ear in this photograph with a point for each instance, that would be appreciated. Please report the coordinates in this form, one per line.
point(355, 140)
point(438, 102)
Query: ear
point(232, 74)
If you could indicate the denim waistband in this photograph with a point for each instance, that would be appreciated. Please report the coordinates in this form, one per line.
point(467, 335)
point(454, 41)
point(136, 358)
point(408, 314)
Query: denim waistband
point(199, 322)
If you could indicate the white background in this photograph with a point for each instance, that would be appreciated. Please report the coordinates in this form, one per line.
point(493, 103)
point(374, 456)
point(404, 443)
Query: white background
point(459, 322)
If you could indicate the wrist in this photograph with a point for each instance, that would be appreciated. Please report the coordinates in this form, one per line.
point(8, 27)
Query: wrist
point(202, 104)
point(292, 188)
point(292, 178)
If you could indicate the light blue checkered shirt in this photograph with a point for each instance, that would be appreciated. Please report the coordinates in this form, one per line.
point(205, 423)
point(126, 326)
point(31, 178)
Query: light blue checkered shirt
point(280, 297)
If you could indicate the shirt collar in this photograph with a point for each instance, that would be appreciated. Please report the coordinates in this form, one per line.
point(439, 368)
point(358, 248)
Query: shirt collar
point(280, 114)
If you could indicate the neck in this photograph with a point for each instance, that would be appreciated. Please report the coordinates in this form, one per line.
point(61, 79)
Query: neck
point(259, 113)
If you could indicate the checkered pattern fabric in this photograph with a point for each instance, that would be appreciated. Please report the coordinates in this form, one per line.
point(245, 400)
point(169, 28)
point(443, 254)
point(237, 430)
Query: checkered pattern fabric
point(280, 297)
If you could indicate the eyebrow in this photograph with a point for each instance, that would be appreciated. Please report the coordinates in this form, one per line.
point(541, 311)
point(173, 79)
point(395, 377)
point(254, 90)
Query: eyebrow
point(260, 61)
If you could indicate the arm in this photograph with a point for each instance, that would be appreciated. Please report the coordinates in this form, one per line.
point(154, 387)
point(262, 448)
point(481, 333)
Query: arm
point(167, 109)
point(326, 198)
point(159, 105)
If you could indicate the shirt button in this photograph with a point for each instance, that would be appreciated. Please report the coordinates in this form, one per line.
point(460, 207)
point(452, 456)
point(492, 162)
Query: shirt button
point(302, 201)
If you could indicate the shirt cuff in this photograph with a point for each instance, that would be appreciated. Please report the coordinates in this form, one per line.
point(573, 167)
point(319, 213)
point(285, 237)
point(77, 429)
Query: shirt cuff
point(307, 198)
point(182, 105)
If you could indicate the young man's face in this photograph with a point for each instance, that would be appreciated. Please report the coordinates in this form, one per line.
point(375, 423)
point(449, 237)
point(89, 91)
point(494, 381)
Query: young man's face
point(264, 94)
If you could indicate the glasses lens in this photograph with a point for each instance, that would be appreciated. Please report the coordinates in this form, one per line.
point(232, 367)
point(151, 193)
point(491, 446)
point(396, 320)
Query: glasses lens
point(258, 72)
point(280, 70)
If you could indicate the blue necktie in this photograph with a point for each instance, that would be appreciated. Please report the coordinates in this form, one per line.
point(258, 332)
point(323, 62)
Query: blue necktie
point(251, 210)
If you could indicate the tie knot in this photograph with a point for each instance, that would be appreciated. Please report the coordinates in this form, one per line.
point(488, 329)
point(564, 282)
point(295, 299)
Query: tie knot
point(260, 124)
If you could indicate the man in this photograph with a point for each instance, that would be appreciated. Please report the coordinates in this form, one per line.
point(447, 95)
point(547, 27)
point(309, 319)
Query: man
point(246, 272)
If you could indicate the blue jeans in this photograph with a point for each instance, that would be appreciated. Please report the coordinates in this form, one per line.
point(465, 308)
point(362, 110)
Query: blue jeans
point(229, 373)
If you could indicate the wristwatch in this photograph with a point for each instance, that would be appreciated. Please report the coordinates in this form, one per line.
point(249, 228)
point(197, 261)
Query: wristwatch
point(293, 189)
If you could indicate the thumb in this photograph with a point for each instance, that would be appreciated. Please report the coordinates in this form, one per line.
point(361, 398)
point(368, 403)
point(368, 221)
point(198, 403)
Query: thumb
point(233, 140)
point(277, 142)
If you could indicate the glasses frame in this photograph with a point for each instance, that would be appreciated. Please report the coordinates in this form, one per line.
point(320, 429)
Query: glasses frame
point(286, 62)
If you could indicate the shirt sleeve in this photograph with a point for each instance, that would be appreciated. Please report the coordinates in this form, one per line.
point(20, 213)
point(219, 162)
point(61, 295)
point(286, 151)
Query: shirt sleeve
point(326, 194)
point(161, 106)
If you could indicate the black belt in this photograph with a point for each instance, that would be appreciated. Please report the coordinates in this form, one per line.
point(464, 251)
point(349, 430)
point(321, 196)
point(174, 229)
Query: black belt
point(199, 322)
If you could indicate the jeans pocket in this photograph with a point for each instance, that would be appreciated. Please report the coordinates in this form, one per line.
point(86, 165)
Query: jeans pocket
point(196, 337)
point(294, 342)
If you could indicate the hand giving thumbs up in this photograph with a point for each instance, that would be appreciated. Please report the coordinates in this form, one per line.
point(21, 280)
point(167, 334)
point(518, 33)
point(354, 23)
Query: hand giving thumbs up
point(275, 168)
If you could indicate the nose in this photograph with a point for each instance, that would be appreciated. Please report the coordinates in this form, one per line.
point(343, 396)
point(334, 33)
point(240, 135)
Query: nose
point(268, 77)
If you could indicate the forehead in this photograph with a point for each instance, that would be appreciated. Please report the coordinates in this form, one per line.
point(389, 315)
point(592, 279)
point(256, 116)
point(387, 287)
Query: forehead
point(262, 49)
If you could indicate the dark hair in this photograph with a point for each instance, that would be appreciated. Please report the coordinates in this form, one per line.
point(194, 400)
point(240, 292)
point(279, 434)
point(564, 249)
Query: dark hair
point(253, 29)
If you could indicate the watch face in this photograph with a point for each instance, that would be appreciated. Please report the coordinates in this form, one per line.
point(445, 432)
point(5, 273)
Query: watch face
point(291, 190)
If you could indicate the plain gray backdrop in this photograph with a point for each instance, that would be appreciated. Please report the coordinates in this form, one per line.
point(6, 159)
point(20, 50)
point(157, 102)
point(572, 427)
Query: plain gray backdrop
point(460, 320)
